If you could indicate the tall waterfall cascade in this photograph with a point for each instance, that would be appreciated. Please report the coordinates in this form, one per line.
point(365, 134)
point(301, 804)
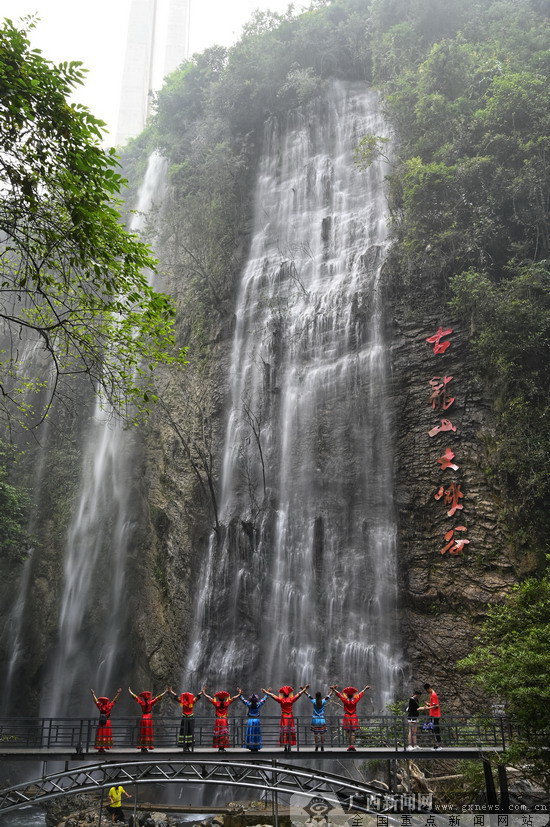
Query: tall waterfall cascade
point(299, 585)
point(91, 624)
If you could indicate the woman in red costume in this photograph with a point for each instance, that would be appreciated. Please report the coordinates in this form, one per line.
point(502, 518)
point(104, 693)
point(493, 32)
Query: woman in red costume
point(222, 700)
point(146, 702)
point(104, 735)
point(350, 697)
point(287, 728)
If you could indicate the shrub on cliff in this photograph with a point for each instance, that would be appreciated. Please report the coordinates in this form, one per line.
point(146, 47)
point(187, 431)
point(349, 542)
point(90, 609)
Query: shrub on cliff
point(511, 663)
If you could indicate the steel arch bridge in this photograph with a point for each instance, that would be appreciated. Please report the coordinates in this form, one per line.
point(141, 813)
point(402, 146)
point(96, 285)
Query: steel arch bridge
point(262, 775)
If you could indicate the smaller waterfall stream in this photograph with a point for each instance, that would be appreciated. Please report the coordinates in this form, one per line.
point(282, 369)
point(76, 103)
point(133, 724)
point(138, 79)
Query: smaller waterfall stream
point(301, 583)
point(30, 366)
point(92, 609)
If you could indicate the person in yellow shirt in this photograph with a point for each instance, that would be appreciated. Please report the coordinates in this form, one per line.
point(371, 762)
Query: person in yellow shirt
point(115, 803)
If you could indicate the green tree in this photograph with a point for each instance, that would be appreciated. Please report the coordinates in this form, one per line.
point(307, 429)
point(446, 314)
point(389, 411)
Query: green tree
point(510, 339)
point(511, 663)
point(73, 281)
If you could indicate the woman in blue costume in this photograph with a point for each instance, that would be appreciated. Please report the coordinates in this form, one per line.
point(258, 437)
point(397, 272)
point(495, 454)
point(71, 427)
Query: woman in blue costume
point(253, 737)
point(318, 722)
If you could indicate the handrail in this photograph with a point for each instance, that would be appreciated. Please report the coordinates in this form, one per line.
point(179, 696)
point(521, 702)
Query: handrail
point(375, 731)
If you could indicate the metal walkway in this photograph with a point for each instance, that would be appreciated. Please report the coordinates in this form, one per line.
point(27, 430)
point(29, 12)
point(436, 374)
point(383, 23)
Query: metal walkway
point(376, 732)
point(70, 742)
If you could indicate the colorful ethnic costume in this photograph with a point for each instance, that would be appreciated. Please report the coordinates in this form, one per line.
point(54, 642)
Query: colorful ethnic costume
point(146, 735)
point(350, 697)
point(287, 728)
point(253, 736)
point(186, 737)
point(104, 735)
point(222, 701)
point(318, 721)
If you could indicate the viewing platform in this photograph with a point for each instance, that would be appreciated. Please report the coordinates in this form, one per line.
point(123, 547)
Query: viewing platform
point(69, 762)
point(378, 737)
point(269, 754)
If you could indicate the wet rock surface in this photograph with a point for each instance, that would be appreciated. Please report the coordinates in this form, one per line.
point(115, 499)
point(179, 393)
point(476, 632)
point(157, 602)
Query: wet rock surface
point(443, 597)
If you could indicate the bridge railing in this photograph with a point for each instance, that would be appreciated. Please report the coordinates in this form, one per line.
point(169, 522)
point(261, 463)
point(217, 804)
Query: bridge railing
point(375, 731)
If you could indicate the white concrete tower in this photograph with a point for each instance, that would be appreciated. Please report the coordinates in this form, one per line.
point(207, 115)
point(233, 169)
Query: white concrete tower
point(157, 42)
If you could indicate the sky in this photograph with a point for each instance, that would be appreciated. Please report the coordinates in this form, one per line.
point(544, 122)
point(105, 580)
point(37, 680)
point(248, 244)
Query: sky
point(94, 31)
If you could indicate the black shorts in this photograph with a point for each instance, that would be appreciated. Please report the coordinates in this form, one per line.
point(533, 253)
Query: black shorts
point(118, 813)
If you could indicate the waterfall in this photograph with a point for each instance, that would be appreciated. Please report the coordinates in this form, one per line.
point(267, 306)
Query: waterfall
point(91, 625)
point(300, 583)
point(30, 366)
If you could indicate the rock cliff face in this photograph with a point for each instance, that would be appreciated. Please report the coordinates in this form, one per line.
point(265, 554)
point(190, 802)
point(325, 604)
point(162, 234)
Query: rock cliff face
point(177, 473)
point(445, 597)
point(181, 460)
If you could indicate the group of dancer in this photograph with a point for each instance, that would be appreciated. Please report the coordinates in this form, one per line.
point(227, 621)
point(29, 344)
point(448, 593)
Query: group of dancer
point(222, 700)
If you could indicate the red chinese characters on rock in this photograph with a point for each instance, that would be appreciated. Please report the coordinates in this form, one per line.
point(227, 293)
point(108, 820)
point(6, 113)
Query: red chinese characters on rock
point(445, 425)
point(439, 346)
point(439, 399)
point(453, 544)
point(445, 460)
point(452, 496)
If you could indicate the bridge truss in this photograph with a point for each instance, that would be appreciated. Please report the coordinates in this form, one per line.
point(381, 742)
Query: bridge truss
point(272, 776)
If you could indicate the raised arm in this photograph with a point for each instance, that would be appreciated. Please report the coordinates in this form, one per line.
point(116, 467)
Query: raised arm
point(365, 689)
point(206, 695)
point(93, 696)
point(117, 696)
point(271, 695)
point(161, 695)
point(133, 694)
point(238, 695)
point(301, 692)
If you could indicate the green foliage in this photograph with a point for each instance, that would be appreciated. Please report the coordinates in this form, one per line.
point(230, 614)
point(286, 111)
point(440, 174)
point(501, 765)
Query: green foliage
point(369, 148)
point(14, 504)
point(209, 124)
point(73, 280)
point(468, 95)
point(510, 336)
point(467, 90)
point(512, 661)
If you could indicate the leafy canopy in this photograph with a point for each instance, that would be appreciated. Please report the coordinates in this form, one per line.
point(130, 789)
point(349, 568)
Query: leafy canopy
point(468, 96)
point(74, 294)
point(512, 662)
